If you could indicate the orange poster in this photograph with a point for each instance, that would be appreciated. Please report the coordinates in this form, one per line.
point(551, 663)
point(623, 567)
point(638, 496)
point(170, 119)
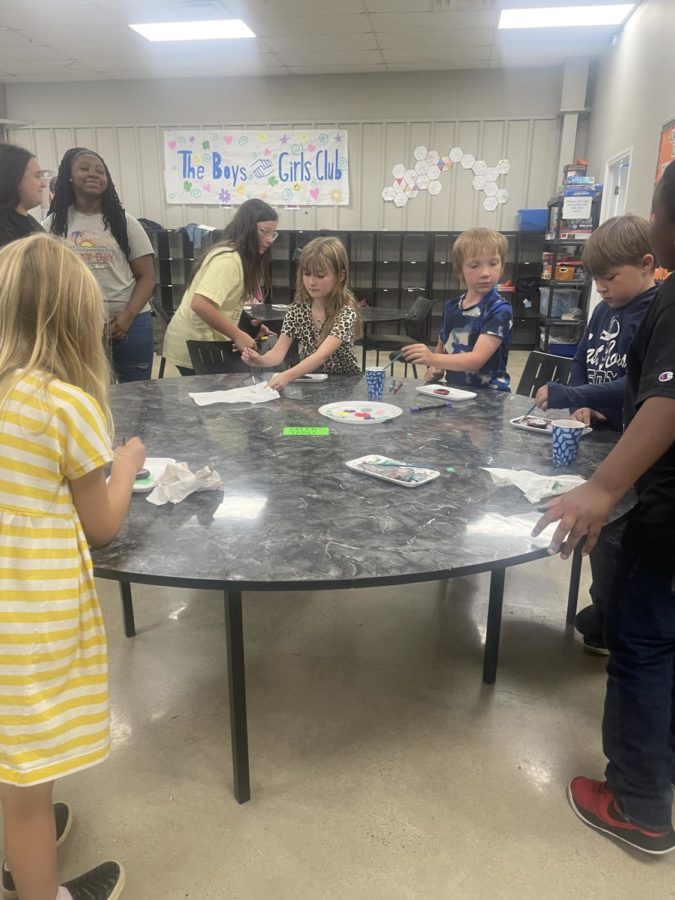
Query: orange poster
point(666, 148)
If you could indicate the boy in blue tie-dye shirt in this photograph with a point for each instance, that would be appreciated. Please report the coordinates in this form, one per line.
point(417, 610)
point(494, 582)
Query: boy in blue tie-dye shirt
point(473, 344)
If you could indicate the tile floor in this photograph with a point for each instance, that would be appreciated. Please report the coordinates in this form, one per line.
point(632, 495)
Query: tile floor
point(382, 767)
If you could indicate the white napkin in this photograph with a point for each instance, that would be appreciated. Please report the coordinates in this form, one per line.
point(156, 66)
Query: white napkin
point(178, 482)
point(535, 487)
point(255, 393)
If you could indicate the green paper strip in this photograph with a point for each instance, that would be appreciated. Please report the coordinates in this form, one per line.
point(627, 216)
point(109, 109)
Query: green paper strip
point(313, 431)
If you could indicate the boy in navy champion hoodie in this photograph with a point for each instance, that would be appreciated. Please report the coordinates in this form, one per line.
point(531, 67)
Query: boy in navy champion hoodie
point(618, 257)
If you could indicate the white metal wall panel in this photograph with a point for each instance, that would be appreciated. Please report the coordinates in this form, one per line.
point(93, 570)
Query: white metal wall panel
point(134, 154)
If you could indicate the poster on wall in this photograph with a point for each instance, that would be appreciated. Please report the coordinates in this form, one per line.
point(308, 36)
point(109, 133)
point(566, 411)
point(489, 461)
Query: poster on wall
point(284, 168)
point(666, 148)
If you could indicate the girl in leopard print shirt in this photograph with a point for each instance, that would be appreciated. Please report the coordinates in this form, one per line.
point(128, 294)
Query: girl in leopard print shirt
point(324, 318)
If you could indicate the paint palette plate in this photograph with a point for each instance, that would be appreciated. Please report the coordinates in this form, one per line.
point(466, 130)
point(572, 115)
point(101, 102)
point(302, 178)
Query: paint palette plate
point(155, 466)
point(392, 470)
point(538, 425)
point(443, 392)
point(360, 412)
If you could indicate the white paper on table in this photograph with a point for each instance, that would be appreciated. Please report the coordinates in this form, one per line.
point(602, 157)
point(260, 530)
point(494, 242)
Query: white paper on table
point(254, 393)
point(178, 482)
point(535, 487)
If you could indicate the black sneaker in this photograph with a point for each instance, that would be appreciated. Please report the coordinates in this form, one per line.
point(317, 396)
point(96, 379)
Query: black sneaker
point(63, 818)
point(105, 882)
point(595, 644)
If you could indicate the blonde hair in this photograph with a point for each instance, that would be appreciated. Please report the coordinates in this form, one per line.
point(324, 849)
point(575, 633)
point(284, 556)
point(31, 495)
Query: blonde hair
point(620, 241)
point(51, 318)
point(474, 241)
point(321, 255)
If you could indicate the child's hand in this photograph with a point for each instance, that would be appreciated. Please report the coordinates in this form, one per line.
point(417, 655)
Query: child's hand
point(252, 357)
point(418, 353)
point(279, 380)
point(582, 511)
point(587, 415)
point(541, 398)
point(243, 340)
point(130, 455)
point(433, 374)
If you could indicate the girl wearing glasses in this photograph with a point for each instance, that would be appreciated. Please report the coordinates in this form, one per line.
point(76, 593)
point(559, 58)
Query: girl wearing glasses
point(233, 270)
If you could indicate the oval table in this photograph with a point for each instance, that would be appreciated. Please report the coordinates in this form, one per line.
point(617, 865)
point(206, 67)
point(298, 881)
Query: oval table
point(292, 516)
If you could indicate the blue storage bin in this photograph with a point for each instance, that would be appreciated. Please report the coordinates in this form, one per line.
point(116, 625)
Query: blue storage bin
point(562, 349)
point(532, 219)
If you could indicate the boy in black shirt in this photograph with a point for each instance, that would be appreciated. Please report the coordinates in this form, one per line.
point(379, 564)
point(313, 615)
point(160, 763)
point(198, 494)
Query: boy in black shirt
point(635, 803)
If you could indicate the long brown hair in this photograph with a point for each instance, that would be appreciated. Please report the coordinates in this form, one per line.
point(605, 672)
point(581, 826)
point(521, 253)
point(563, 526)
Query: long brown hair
point(321, 255)
point(242, 235)
point(51, 318)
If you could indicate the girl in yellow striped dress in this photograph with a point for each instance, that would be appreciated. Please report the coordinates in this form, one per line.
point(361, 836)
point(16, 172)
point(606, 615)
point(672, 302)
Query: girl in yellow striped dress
point(54, 442)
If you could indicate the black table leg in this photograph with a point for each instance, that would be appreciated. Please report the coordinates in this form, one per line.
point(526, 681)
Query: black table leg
point(575, 578)
point(236, 678)
point(127, 609)
point(494, 622)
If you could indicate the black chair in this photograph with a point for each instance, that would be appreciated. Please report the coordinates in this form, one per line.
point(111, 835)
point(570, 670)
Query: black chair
point(415, 324)
point(541, 368)
point(215, 358)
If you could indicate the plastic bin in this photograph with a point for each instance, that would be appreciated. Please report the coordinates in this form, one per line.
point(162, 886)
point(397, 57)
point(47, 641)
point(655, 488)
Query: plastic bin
point(563, 301)
point(562, 349)
point(532, 219)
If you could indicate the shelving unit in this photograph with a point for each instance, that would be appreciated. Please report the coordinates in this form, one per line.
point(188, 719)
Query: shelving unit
point(564, 251)
point(387, 269)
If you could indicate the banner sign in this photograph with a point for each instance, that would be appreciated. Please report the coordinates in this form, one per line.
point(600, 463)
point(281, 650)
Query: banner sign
point(283, 168)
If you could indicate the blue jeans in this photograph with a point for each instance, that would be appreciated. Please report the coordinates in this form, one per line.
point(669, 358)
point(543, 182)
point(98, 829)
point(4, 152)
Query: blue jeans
point(638, 723)
point(132, 354)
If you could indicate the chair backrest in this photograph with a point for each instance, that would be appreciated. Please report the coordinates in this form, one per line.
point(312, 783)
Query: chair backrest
point(418, 317)
point(541, 368)
point(215, 358)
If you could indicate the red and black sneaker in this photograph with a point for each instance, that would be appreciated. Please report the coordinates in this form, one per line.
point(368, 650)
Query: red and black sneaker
point(595, 804)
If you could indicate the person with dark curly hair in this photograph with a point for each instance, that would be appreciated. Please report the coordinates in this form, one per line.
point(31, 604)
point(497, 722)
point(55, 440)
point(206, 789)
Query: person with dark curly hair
point(21, 186)
point(87, 211)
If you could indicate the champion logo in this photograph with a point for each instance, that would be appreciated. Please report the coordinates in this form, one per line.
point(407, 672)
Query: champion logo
point(666, 376)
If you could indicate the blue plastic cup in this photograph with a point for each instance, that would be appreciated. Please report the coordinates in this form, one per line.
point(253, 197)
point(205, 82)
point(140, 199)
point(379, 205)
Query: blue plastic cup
point(566, 436)
point(375, 382)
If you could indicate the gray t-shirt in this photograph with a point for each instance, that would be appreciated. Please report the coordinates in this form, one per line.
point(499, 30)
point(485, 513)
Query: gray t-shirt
point(97, 247)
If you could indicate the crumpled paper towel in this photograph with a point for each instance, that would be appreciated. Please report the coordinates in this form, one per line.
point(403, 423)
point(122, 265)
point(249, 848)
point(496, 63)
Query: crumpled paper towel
point(253, 393)
point(178, 482)
point(535, 487)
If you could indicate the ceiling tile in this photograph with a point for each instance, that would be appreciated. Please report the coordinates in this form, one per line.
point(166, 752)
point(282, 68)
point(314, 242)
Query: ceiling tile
point(59, 14)
point(292, 43)
point(296, 25)
point(437, 55)
point(262, 8)
point(333, 57)
point(440, 67)
point(414, 40)
point(434, 21)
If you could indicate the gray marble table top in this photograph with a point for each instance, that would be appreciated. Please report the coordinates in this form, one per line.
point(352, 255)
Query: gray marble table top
point(293, 516)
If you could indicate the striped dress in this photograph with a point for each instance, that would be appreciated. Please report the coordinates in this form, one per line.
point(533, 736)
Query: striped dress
point(53, 662)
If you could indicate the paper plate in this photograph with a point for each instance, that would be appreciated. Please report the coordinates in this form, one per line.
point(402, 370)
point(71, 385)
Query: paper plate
point(156, 466)
point(518, 423)
point(313, 376)
point(445, 392)
point(360, 412)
